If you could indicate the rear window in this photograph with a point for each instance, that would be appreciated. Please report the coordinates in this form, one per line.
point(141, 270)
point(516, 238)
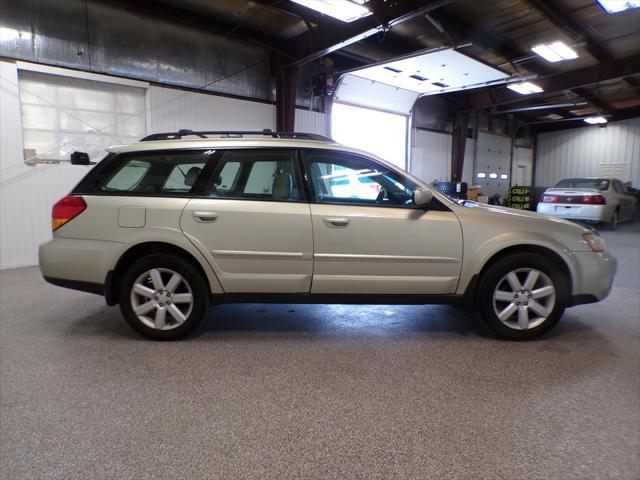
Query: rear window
point(147, 173)
point(597, 183)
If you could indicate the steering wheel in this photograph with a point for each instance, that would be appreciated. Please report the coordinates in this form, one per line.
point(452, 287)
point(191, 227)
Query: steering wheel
point(382, 194)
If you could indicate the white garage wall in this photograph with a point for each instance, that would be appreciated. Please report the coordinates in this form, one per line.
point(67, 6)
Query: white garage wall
point(27, 193)
point(580, 151)
point(431, 156)
point(171, 110)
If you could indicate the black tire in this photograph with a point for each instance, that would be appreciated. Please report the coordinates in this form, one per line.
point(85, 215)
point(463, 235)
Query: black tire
point(493, 279)
point(614, 220)
point(194, 313)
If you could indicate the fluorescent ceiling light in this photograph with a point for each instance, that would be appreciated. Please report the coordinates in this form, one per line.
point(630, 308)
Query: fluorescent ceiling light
point(345, 10)
point(555, 52)
point(595, 120)
point(616, 6)
point(525, 88)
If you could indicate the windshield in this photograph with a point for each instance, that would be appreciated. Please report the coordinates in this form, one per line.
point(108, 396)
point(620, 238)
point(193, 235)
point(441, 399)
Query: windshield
point(597, 183)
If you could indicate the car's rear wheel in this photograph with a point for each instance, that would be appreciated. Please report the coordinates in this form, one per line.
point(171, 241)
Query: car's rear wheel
point(522, 296)
point(163, 297)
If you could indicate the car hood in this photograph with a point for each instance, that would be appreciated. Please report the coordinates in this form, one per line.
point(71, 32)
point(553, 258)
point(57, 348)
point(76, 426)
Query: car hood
point(483, 224)
point(515, 214)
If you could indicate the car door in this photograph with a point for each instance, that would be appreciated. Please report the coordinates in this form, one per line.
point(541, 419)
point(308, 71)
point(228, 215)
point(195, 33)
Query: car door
point(254, 223)
point(369, 237)
point(626, 201)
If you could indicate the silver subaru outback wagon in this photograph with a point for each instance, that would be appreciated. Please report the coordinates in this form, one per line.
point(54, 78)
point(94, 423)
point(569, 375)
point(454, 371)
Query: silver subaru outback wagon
point(167, 226)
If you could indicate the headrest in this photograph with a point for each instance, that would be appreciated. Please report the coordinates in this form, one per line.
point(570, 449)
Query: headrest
point(191, 176)
point(282, 185)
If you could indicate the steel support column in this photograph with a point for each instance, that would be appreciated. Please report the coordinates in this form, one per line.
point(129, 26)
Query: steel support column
point(286, 81)
point(458, 145)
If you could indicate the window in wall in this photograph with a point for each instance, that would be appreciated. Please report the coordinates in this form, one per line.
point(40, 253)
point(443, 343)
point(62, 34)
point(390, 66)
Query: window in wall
point(62, 114)
point(381, 133)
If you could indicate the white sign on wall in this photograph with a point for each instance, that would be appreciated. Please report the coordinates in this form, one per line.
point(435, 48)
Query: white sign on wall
point(621, 171)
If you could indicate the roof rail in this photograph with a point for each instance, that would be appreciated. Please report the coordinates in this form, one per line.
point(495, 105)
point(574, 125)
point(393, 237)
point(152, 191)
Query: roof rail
point(234, 134)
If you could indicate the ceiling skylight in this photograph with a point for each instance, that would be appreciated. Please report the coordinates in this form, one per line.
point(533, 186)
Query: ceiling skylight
point(555, 52)
point(617, 6)
point(524, 88)
point(345, 10)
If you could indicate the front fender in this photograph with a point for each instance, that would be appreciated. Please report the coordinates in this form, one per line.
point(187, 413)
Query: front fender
point(477, 256)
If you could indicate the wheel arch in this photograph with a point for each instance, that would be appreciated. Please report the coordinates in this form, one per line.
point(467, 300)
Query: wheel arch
point(471, 291)
point(140, 250)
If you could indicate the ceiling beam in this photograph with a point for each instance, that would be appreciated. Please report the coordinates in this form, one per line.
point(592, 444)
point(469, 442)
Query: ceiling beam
point(323, 40)
point(552, 126)
point(392, 44)
point(546, 106)
point(557, 82)
point(572, 28)
point(185, 17)
point(453, 24)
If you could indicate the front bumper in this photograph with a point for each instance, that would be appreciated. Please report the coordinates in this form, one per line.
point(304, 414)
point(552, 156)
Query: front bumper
point(593, 277)
point(584, 213)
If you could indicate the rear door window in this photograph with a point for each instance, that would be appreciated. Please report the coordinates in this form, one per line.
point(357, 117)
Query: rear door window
point(270, 174)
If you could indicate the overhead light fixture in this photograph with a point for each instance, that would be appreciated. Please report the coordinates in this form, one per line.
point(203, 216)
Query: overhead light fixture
point(555, 52)
point(525, 88)
point(345, 10)
point(617, 6)
point(595, 120)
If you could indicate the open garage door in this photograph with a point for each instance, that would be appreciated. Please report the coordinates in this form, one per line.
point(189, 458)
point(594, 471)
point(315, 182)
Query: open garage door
point(372, 104)
point(381, 133)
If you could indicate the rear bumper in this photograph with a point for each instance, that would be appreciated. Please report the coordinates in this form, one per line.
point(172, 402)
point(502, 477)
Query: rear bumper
point(594, 274)
point(97, 288)
point(79, 264)
point(585, 213)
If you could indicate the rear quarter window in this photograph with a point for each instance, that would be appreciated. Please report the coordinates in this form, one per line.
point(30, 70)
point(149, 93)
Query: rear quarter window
point(164, 173)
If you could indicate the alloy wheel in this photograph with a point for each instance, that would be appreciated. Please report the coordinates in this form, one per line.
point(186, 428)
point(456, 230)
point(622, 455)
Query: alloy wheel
point(524, 298)
point(161, 299)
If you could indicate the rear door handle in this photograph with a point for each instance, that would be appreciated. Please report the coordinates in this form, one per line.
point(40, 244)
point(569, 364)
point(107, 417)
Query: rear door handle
point(204, 217)
point(336, 222)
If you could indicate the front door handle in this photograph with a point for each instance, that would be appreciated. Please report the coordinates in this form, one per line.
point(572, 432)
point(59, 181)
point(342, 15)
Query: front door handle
point(336, 222)
point(204, 217)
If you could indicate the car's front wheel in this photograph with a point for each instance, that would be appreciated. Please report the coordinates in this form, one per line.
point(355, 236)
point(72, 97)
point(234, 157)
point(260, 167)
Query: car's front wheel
point(522, 296)
point(163, 297)
point(614, 220)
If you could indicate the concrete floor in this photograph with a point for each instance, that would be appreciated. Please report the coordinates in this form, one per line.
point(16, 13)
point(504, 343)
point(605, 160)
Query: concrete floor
point(318, 392)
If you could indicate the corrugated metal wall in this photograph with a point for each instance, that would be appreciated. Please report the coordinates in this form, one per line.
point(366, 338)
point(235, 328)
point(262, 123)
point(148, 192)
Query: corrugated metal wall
point(98, 37)
point(580, 151)
point(171, 110)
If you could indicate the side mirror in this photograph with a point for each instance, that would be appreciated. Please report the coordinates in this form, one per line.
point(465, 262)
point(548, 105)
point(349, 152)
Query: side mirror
point(422, 196)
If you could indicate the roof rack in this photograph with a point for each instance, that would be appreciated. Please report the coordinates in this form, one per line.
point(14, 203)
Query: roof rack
point(234, 134)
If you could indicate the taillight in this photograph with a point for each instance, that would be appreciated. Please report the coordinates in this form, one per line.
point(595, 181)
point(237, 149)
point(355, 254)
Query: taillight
point(594, 200)
point(550, 199)
point(65, 210)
